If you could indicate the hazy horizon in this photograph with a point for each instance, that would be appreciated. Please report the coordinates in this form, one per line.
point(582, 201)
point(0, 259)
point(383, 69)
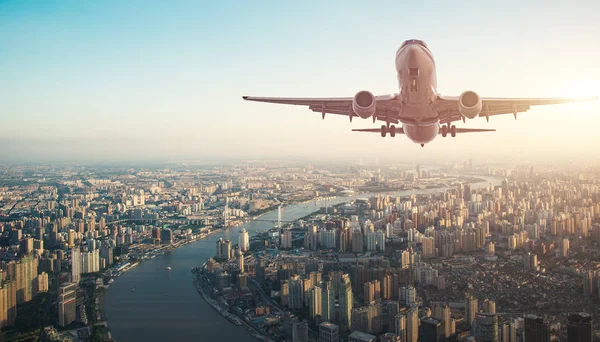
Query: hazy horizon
point(139, 81)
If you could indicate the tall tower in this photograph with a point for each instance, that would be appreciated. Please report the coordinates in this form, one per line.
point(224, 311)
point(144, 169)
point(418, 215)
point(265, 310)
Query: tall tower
point(226, 213)
point(471, 306)
point(75, 265)
point(244, 240)
point(346, 303)
point(412, 324)
point(579, 327)
point(279, 217)
point(536, 330)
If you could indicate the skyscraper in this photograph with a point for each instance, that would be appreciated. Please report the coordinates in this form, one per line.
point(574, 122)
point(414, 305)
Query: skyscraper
point(8, 303)
point(75, 265)
point(400, 326)
point(431, 330)
point(260, 269)
point(442, 313)
point(536, 330)
point(315, 302)
point(66, 303)
point(244, 240)
point(328, 302)
point(296, 293)
point(486, 327)
point(471, 306)
point(346, 300)
point(412, 324)
point(25, 271)
point(579, 327)
point(329, 332)
point(300, 332)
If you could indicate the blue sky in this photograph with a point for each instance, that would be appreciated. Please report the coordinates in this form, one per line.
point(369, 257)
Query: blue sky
point(101, 80)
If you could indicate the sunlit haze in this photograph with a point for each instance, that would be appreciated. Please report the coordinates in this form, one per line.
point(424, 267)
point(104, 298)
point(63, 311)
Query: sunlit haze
point(103, 81)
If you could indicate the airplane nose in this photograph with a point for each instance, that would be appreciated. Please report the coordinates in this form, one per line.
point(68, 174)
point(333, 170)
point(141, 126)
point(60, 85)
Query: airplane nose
point(411, 53)
point(408, 57)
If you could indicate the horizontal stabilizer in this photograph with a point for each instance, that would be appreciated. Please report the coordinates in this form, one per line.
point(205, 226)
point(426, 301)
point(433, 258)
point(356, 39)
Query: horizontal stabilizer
point(473, 130)
point(399, 130)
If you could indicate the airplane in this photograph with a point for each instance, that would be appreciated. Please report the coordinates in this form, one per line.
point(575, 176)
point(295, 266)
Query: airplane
point(422, 112)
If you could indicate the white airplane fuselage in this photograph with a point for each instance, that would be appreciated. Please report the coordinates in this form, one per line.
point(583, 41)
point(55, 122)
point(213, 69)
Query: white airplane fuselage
point(417, 81)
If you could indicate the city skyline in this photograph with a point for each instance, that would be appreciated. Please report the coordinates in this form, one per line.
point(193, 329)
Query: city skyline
point(154, 82)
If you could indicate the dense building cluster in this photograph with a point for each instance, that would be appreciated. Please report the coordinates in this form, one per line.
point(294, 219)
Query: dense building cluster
point(511, 260)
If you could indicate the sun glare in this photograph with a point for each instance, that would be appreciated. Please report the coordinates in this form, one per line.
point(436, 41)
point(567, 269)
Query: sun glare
point(580, 88)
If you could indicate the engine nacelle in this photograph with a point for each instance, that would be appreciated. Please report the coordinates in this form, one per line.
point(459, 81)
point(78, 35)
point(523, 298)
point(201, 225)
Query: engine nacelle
point(364, 104)
point(469, 104)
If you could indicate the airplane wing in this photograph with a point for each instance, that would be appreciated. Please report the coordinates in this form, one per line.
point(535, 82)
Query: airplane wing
point(399, 130)
point(448, 106)
point(387, 105)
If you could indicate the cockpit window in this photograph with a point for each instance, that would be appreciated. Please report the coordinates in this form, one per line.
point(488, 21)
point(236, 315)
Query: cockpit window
point(414, 41)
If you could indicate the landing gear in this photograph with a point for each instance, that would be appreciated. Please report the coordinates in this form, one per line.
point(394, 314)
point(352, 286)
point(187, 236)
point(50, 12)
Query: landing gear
point(383, 131)
point(448, 129)
point(392, 131)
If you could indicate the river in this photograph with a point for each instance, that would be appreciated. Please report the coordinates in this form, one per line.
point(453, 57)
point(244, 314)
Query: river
point(165, 305)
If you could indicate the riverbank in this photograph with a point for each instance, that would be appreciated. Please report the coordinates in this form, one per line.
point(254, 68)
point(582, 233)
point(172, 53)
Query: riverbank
point(166, 305)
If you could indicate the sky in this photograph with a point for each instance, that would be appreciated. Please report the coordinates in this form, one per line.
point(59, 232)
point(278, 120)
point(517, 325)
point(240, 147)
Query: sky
point(162, 80)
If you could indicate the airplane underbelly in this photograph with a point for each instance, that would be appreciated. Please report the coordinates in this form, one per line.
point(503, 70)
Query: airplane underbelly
point(421, 134)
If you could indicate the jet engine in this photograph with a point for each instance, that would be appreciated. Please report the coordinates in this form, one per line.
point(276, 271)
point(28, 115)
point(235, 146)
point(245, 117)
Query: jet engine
point(364, 104)
point(469, 104)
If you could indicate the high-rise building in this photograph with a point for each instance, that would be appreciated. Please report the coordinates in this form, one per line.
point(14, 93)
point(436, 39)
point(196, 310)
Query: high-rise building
point(346, 300)
point(26, 272)
point(240, 261)
point(428, 247)
point(40, 284)
point(286, 239)
point(407, 295)
point(260, 269)
point(244, 240)
point(8, 303)
point(26, 245)
point(389, 337)
point(285, 293)
point(400, 326)
point(296, 293)
point(471, 308)
point(443, 313)
point(535, 329)
point(361, 320)
point(431, 330)
point(315, 302)
point(564, 248)
point(67, 303)
point(300, 332)
point(489, 306)
point(579, 327)
point(392, 308)
point(223, 249)
point(359, 336)
point(329, 332)
point(412, 324)
point(166, 236)
point(75, 265)
point(328, 302)
point(485, 327)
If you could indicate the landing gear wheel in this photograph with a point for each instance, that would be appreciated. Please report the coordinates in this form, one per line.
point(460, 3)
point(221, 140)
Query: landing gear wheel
point(383, 131)
point(444, 130)
point(453, 131)
point(392, 131)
